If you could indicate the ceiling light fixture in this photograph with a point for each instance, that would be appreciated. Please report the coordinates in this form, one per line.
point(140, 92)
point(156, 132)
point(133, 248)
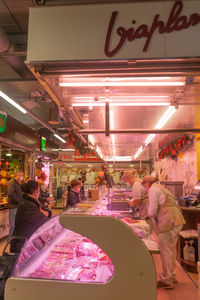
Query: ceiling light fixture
point(12, 102)
point(108, 84)
point(85, 121)
point(59, 138)
point(123, 96)
point(138, 152)
point(167, 115)
point(112, 135)
point(138, 78)
point(99, 152)
point(64, 150)
point(91, 139)
point(9, 154)
point(120, 158)
point(116, 104)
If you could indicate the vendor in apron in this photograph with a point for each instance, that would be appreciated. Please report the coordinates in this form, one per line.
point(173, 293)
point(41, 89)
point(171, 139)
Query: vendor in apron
point(139, 195)
point(169, 222)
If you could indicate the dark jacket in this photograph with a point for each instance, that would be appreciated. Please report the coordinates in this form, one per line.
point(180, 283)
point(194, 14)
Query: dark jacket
point(72, 199)
point(14, 193)
point(82, 192)
point(44, 195)
point(28, 219)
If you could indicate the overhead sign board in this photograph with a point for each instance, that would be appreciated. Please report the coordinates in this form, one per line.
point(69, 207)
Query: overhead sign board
point(165, 29)
point(76, 156)
point(43, 143)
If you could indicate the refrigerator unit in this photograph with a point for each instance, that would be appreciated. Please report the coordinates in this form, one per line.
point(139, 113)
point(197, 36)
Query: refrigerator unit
point(83, 257)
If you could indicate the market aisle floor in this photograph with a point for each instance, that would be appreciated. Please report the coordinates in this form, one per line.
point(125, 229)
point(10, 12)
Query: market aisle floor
point(183, 290)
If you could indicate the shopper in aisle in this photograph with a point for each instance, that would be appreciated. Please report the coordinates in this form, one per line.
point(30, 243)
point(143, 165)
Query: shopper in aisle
point(82, 190)
point(29, 216)
point(169, 222)
point(139, 195)
point(27, 178)
point(14, 196)
point(44, 192)
point(74, 196)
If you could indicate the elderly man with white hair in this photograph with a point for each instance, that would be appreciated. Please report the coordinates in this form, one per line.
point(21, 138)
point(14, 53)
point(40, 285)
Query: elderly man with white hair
point(169, 222)
point(139, 195)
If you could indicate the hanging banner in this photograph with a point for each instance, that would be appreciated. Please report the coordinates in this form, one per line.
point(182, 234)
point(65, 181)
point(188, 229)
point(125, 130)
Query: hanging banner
point(160, 29)
point(3, 118)
point(75, 156)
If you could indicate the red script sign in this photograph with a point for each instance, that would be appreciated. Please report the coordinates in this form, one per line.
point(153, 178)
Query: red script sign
point(175, 22)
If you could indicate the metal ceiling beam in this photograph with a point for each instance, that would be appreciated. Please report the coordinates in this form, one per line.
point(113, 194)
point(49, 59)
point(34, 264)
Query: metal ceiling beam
point(140, 131)
point(52, 94)
point(13, 53)
point(107, 119)
point(40, 121)
point(14, 61)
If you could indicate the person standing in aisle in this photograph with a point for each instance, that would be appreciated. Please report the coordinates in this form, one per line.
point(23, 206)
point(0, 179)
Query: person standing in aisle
point(44, 192)
point(29, 216)
point(169, 222)
point(108, 179)
point(14, 196)
point(74, 196)
point(139, 195)
point(82, 190)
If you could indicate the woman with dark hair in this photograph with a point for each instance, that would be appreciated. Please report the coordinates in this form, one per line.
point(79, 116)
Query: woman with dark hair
point(29, 216)
point(74, 196)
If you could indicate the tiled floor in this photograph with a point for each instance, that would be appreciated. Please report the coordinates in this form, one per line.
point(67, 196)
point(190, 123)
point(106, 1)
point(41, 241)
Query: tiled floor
point(185, 289)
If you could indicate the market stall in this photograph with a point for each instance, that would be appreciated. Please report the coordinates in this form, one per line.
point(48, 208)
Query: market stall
point(82, 269)
point(132, 91)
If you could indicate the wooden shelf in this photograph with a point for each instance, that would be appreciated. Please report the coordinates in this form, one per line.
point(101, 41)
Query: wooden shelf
point(190, 263)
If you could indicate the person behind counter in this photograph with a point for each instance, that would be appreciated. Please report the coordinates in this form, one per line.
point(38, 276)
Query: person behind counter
point(14, 196)
point(139, 195)
point(29, 216)
point(169, 222)
point(74, 196)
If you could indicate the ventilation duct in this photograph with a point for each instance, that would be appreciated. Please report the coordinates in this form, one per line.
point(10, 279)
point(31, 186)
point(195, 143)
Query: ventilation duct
point(53, 115)
point(15, 62)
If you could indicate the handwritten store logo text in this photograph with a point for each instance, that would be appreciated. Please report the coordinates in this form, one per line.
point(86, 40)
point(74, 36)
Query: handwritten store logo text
point(175, 22)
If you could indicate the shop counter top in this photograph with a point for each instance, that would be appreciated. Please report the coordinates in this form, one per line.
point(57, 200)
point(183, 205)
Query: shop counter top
point(190, 208)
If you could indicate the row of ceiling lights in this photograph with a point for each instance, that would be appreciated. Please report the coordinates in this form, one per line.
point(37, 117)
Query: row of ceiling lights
point(163, 120)
point(24, 111)
point(117, 82)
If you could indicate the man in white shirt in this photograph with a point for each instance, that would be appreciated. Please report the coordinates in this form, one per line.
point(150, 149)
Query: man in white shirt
point(140, 198)
point(169, 221)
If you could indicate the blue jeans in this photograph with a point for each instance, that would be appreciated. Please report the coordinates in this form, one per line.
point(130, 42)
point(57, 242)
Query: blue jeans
point(12, 214)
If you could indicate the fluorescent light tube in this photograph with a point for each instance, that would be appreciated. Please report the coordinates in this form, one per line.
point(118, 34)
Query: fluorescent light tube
point(8, 154)
point(91, 139)
point(120, 158)
point(12, 102)
point(99, 152)
point(116, 104)
point(59, 138)
point(138, 152)
point(149, 139)
point(108, 84)
point(167, 115)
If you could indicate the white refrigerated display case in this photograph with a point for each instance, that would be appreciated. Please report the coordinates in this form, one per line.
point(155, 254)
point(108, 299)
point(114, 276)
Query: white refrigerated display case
point(83, 257)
